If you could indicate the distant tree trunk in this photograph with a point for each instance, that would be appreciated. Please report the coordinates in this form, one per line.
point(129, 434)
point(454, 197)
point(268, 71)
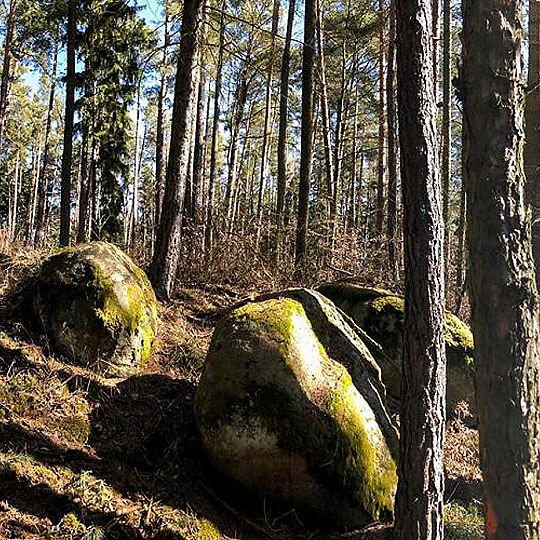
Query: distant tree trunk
point(419, 499)
point(379, 209)
point(32, 195)
point(241, 98)
point(160, 131)
point(360, 202)
point(532, 129)
point(4, 84)
point(167, 251)
point(351, 213)
point(44, 176)
point(200, 142)
point(504, 298)
point(136, 169)
point(82, 231)
point(268, 102)
point(325, 112)
point(460, 266)
point(213, 145)
point(67, 155)
point(94, 195)
point(341, 124)
point(306, 150)
point(391, 224)
point(446, 126)
point(283, 117)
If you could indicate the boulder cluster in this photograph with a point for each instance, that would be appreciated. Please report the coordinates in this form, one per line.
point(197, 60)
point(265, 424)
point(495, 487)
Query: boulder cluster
point(292, 403)
point(298, 390)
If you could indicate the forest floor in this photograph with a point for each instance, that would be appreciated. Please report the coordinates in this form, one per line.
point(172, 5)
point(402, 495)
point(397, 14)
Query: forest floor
point(86, 458)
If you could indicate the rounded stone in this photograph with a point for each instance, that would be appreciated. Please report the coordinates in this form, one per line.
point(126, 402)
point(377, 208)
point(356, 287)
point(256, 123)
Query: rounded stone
point(290, 406)
point(97, 308)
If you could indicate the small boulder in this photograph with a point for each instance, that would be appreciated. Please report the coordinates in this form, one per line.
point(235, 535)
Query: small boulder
point(97, 308)
point(380, 313)
point(290, 405)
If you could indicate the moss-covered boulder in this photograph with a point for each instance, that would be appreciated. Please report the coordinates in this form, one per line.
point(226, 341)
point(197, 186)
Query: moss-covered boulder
point(380, 313)
point(97, 308)
point(290, 405)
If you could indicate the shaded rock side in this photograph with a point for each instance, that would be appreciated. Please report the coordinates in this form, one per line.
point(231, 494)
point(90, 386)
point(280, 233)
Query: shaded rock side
point(97, 308)
point(290, 406)
point(380, 313)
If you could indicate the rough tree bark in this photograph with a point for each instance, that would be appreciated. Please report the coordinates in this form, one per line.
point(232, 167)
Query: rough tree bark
point(504, 298)
point(167, 251)
point(419, 499)
point(325, 113)
point(532, 127)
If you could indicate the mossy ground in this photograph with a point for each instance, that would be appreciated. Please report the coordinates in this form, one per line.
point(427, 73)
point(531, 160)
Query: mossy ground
point(83, 457)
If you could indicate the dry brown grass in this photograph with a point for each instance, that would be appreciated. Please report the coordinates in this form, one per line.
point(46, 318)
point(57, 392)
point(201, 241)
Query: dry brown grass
point(85, 457)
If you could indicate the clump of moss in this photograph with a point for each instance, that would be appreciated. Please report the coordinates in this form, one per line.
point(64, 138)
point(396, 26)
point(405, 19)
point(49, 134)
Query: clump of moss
point(381, 315)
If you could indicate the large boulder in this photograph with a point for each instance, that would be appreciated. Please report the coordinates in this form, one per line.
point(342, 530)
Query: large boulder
point(380, 313)
point(97, 308)
point(290, 405)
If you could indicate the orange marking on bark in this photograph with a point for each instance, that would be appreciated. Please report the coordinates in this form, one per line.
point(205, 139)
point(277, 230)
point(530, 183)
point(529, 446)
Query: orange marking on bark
point(492, 521)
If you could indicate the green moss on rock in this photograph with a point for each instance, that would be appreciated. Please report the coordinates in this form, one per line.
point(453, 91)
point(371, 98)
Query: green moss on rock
point(97, 307)
point(278, 412)
point(380, 314)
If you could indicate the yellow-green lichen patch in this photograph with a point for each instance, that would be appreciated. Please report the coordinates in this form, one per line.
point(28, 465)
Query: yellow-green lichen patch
point(395, 302)
point(459, 341)
point(362, 457)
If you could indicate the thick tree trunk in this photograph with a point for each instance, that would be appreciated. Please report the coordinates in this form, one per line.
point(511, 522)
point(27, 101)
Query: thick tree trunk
point(532, 127)
point(4, 84)
point(283, 117)
point(167, 250)
point(419, 499)
point(391, 224)
point(504, 299)
point(306, 150)
point(67, 154)
point(160, 130)
point(341, 125)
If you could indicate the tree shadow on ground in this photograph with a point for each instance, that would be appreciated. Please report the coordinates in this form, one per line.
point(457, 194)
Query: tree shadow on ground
point(143, 443)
